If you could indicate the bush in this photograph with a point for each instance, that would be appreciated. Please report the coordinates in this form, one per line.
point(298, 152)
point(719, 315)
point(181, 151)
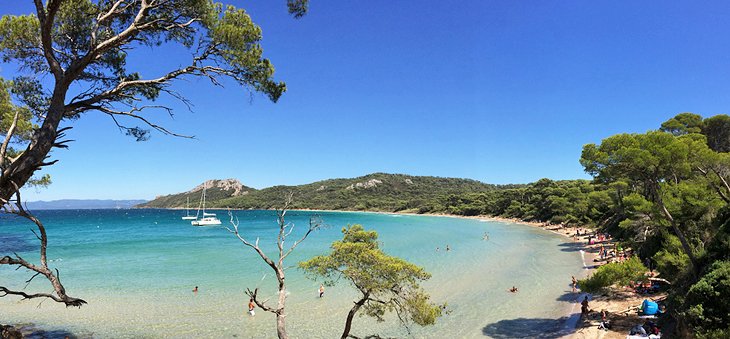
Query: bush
point(614, 273)
point(709, 310)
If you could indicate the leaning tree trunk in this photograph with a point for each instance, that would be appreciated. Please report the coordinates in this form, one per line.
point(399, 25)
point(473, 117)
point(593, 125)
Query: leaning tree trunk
point(678, 232)
point(351, 315)
point(21, 170)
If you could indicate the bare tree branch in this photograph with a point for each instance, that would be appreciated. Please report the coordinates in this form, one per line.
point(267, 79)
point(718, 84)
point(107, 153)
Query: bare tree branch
point(261, 304)
point(132, 114)
point(8, 136)
point(43, 269)
point(278, 267)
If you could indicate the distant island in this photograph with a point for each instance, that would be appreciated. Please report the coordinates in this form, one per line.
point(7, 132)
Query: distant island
point(381, 192)
point(570, 202)
point(82, 204)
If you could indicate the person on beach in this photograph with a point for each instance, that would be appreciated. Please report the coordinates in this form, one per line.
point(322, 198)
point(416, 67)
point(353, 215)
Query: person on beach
point(513, 289)
point(604, 325)
point(584, 306)
point(251, 307)
point(573, 282)
point(195, 290)
point(321, 290)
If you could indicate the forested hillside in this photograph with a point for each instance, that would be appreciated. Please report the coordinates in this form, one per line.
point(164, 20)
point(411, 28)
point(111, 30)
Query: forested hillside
point(373, 192)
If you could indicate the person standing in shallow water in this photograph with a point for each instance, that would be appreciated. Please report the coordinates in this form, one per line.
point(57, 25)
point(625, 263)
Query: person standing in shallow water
point(195, 290)
point(321, 291)
point(573, 283)
point(251, 307)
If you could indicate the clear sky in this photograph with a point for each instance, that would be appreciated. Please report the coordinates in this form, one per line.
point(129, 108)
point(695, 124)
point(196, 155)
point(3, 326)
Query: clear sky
point(498, 91)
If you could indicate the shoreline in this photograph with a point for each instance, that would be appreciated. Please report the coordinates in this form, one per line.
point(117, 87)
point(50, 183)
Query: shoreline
point(570, 326)
point(573, 323)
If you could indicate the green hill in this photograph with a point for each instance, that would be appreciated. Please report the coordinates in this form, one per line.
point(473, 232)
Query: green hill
point(216, 190)
point(373, 192)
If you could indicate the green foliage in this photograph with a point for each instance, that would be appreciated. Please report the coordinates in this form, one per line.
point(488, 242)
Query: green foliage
point(298, 7)
point(24, 126)
point(614, 273)
point(707, 300)
point(91, 40)
point(717, 131)
point(386, 283)
point(683, 123)
point(19, 40)
point(671, 259)
point(386, 193)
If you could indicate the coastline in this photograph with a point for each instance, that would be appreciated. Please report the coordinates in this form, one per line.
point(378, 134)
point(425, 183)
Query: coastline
point(573, 316)
point(574, 323)
point(465, 292)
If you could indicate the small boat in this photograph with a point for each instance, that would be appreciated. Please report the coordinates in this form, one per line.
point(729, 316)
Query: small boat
point(187, 212)
point(208, 219)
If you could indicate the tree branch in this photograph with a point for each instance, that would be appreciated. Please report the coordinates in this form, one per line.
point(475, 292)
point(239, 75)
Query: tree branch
point(43, 269)
point(132, 114)
point(46, 17)
point(8, 136)
point(235, 223)
point(315, 223)
point(261, 304)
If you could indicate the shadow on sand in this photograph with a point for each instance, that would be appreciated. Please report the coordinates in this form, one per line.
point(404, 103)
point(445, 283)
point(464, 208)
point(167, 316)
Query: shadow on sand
point(527, 328)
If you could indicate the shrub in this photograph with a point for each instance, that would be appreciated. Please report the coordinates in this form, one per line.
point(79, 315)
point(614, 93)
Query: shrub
point(614, 273)
point(709, 310)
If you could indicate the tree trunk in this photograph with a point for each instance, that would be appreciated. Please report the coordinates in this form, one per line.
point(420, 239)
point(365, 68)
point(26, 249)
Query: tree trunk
point(280, 312)
point(351, 315)
point(21, 170)
point(281, 325)
point(678, 232)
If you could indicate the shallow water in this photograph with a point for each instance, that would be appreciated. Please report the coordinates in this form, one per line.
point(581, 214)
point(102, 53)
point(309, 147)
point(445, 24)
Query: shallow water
point(136, 268)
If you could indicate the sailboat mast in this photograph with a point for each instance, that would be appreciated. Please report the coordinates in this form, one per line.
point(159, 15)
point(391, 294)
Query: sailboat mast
point(187, 207)
point(204, 187)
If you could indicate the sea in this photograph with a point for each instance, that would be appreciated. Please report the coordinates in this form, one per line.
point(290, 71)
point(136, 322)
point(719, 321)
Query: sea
point(137, 268)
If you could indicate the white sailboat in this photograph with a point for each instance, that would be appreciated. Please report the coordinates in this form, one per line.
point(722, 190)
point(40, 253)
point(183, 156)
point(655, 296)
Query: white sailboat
point(187, 212)
point(208, 219)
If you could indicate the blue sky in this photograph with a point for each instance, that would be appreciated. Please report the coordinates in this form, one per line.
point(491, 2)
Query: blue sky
point(498, 91)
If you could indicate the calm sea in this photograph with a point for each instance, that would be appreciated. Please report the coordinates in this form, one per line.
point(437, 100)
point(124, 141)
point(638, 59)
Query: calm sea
point(136, 268)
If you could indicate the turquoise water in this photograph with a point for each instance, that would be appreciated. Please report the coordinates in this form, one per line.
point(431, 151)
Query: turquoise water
point(136, 268)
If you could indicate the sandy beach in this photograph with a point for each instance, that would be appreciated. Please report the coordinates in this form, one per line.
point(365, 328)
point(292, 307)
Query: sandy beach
point(620, 305)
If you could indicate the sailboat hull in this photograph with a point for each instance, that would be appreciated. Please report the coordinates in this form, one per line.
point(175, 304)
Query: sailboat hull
point(210, 221)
